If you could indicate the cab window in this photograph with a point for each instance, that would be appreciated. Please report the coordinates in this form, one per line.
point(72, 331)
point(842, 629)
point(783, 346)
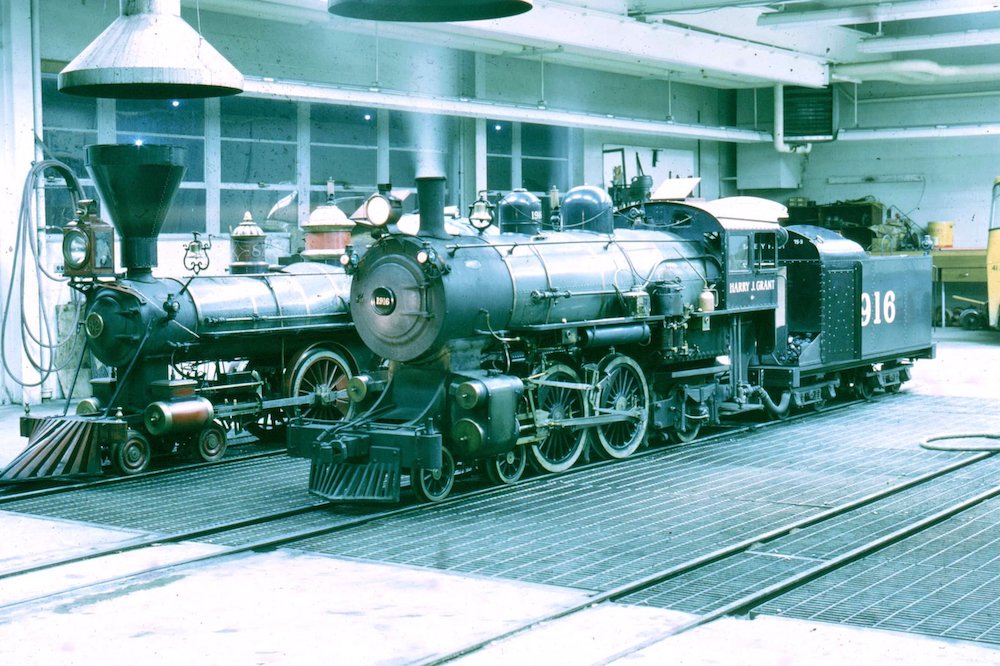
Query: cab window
point(739, 253)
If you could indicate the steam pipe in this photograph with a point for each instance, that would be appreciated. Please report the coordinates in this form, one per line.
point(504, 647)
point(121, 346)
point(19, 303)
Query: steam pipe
point(779, 409)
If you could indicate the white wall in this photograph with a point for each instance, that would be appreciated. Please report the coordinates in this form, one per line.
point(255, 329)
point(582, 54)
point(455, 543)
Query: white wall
point(928, 179)
point(956, 178)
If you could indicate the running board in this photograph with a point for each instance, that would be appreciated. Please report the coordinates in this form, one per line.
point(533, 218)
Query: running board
point(365, 482)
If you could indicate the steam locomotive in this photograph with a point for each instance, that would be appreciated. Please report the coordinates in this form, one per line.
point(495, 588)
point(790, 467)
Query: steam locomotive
point(607, 330)
point(193, 358)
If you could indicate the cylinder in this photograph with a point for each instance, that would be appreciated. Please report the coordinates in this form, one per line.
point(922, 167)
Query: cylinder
point(666, 298)
point(706, 300)
point(181, 416)
point(943, 234)
point(624, 334)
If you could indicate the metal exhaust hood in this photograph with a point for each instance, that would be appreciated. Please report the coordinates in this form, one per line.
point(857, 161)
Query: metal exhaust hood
point(150, 52)
point(427, 11)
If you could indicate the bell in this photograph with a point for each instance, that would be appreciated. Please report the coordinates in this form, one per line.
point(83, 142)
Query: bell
point(480, 215)
point(428, 11)
point(150, 52)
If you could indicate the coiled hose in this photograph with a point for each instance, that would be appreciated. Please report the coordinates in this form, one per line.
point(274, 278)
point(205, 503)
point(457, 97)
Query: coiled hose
point(35, 344)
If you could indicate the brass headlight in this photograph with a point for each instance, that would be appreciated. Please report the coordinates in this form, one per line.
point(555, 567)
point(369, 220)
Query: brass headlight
point(76, 248)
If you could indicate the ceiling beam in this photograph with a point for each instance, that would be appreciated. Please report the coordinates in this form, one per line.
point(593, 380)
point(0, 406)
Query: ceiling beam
point(878, 13)
point(597, 40)
point(601, 36)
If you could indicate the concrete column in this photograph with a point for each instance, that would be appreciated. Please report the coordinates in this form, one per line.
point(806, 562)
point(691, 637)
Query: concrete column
point(303, 162)
point(213, 169)
point(382, 151)
point(18, 69)
point(516, 178)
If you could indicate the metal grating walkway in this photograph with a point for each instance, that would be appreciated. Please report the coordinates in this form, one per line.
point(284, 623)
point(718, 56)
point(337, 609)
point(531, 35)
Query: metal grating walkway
point(598, 528)
point(943, 582)
point(188, 500)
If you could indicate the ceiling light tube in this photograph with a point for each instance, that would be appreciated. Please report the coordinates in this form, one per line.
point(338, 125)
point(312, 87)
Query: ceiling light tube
point(947, 40)
point(875, 13)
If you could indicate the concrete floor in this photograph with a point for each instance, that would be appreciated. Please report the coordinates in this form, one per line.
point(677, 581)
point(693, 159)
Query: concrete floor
point(290, 607)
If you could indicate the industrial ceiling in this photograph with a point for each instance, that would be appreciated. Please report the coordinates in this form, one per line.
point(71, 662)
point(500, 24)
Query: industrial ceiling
point(730, 45)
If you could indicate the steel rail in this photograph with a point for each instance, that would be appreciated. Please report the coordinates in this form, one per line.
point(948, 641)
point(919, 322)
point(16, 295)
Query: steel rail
point(740, 547)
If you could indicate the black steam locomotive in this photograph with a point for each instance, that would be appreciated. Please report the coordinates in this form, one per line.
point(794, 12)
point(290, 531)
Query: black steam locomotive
point(192, 358)
point(611, 329)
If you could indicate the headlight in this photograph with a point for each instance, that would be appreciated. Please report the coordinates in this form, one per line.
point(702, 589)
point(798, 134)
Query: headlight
point(76, 248)
point(381, 210)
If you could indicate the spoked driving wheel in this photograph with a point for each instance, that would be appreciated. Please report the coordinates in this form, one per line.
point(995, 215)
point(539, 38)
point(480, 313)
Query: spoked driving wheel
point(433, 485)
point(563, 445)
point(323, 373)
point(623, 389)
point(507, 468)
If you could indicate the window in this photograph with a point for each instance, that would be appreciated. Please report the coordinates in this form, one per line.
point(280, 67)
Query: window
point(178, 123)
point(258, 153)
point(345, 150)
point(739, 253)
point(499, 149)
point(765, 250)
point(70, 125)
point(419, 145)
point(544, 162)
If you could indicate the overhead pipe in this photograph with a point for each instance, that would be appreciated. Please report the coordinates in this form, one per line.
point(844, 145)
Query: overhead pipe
point(779, 125)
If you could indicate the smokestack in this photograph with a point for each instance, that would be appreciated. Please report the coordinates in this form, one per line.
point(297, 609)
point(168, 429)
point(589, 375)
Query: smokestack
point(137, 184)
point(430, 198)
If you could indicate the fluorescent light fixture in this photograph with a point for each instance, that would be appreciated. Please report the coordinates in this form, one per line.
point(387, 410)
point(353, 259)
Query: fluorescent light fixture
point(946, 40)
point(924, 132)
point(875, 13)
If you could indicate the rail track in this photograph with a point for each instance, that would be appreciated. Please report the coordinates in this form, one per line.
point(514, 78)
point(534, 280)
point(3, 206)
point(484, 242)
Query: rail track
point(306, 512)
point(725, 560)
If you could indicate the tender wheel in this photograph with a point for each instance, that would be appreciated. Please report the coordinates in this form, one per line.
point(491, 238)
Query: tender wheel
point(562, 447)
point(864, 386)
point(434, 485)
point(325, 373)
point(507, 468)
point(211, 443)
point(624, 388)
point(133, 456)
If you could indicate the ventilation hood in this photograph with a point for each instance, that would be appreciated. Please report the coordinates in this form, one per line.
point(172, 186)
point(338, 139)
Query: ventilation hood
point(150, 52)
point(426, 11)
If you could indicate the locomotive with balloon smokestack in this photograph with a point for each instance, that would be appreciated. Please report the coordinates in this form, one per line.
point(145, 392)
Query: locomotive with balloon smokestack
point(191, 358)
